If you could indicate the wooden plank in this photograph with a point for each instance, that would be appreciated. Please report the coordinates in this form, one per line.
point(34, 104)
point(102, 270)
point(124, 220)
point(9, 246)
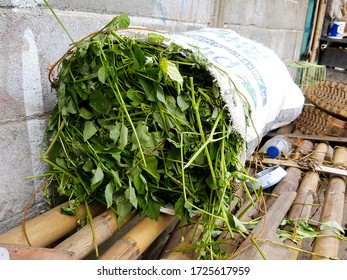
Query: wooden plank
point(21, 252)
point(290, 163)
point(310, 137)
point(266, 229)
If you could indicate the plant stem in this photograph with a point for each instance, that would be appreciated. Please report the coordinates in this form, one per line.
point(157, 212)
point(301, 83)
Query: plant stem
point(59, 21)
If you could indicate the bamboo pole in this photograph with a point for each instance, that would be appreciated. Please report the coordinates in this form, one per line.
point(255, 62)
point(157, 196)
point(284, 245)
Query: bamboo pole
point(82, 242)
point(137, 240)
point(48, 227)
point(21, 252)
point(289, 183)
point(266, 229)
point(318, 30)
point(302, 204)
point(314, 24)
point(179, 245)
point(332, 211)
point(301, 207)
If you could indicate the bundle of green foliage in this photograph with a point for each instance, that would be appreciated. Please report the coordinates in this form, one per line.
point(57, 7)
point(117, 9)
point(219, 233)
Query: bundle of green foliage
point(139, 124)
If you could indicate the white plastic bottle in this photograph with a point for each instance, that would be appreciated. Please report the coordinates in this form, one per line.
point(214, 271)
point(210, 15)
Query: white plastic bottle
point(277, 145)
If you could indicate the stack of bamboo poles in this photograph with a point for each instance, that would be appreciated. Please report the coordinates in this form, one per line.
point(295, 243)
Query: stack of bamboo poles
point(55, 236)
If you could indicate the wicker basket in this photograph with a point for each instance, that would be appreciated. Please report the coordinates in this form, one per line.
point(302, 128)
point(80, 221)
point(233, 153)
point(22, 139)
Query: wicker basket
point(330, 97)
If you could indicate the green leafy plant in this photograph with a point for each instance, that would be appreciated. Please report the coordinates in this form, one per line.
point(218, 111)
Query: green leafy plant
point(139, 124)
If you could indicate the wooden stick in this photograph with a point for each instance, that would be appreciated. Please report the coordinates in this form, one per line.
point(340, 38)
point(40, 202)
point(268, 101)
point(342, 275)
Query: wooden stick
point(47, 228)
point(137, 240)
point(332, 211)
point(105, 225)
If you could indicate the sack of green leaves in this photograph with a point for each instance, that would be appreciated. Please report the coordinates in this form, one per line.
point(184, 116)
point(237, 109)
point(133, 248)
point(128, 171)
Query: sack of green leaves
point(147, 121)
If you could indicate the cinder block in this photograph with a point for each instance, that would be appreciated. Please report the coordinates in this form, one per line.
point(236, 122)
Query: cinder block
point(21, 3)
point(279, 14)
point(194, 11)
point(15, 166)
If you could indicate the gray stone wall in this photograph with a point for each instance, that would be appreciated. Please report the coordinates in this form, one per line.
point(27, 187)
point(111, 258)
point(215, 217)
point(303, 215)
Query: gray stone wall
point(32, 40)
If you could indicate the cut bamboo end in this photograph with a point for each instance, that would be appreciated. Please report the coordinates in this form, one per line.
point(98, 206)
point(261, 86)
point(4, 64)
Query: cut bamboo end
point(135, 242)
point(47, 228)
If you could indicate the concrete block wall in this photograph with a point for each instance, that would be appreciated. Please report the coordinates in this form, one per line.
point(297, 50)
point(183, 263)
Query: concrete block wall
point(31, 40)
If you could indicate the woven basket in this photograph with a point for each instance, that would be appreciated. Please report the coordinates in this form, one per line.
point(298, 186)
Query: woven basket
point(317, 122)
point(330, 97)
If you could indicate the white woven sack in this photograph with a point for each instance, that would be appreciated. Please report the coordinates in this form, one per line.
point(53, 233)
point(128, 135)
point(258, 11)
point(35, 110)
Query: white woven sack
point(247, 73)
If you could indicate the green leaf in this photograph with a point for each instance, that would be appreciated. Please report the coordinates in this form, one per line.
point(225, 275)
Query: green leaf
point(138, 56)
point(123, 140)
point(161, 94)
point(84, 113)
point(100, 102)
point(235, 222)
point(182, 102)
point(109, 195)
point(143, 136)
point(171, 70)
point(71, 108)
point(153, 208)
point(61, 162)
point(284, 235)
point(97, 178)
point(150, 206)
point(130, 194)
point(89, 130)
point(180, 210)
point(102, 74)
point(123, 21)
point(115, 131)
point(116, 178)
point(88, 165)
point(332, 225)
point(123, 207)
point(156, 38)
point(306, 231)
point(148, 89)
point(135, 96)
point(140, 183)
point(151, 167)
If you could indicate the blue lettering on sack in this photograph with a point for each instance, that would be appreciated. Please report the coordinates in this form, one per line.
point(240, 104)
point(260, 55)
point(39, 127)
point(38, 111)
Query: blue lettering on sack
point(219, 58)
